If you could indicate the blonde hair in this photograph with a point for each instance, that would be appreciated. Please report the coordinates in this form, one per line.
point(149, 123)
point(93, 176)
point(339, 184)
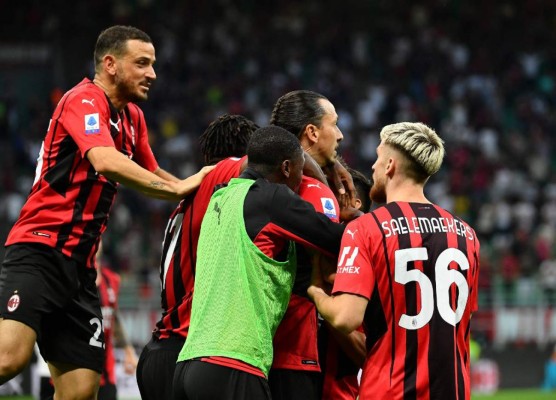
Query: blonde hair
point(419, 143)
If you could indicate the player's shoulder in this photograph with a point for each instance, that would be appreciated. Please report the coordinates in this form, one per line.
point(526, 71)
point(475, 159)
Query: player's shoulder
point(309, 184)
point(223, 171)
point(87, 96)
point(311, 188)
point(320, 196)
point(230, 162)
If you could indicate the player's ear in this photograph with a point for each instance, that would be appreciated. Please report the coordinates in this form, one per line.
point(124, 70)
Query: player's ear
point(109, 64)
point(312, 133)
point(391, 165)
point(285, 168)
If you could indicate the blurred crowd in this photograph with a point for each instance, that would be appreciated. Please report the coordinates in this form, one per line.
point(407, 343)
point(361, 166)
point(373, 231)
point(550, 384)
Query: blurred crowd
point(483, 74)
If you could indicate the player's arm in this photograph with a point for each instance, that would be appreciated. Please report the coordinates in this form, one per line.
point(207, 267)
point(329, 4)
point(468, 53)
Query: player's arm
point(295, 219)
point(130, 357)
point(353, 344)
point(345, 308)
point(116, 166)
point(344, 311)
point(161, 173)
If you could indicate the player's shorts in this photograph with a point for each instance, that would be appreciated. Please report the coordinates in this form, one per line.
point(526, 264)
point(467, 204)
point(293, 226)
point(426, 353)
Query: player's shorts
point(57, 297)
point(107, 392)
point(200, 380)
point(155, 369)
point(288, 384)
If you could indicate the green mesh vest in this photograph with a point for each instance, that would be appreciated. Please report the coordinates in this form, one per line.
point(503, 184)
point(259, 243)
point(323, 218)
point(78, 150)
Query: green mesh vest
point(240, 294)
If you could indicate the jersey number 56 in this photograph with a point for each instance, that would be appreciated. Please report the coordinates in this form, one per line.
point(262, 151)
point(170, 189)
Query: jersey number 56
point(444, 279)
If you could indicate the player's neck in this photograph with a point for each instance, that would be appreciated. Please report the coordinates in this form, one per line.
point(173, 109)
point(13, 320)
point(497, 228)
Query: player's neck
point(111, 91)
point(409, 193)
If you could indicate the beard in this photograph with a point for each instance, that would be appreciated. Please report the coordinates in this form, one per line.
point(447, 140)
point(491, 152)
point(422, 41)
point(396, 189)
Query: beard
point(378, 194)
point(129, 92)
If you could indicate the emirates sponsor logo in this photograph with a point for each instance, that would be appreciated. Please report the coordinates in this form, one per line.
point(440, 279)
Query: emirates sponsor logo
point(13, 302)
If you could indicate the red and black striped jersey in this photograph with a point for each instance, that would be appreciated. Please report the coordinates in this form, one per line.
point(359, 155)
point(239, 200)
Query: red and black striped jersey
point(295, 340)
point(69, 203)
point(108, 290)
point(179, 251)
point(418, 265)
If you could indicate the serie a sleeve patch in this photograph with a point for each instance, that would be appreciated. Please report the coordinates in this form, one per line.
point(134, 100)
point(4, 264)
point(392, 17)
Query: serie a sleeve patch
point(92, 124)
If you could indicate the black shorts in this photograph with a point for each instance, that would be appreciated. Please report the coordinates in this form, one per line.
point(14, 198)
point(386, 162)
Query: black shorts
point(155, 369)
point(200, 380)
point(289, 384)
point(57, 297)
point(107, 391)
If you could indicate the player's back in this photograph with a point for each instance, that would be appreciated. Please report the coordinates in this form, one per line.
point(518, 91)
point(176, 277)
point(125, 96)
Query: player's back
point(180, 251)
point(425, 266)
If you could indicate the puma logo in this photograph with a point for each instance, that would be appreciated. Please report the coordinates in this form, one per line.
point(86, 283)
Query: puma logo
point(349, 232)
point(88, 102)
point(317, 185)
point(115, 124)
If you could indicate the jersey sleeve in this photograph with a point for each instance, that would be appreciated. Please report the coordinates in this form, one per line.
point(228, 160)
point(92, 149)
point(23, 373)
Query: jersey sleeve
point(354, 273)
point(86, 119)
point(297, 220)
point(321, 197)
point(144, 155)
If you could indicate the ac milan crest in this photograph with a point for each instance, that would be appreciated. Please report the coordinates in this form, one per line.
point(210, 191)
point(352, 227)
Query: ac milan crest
point(13, 303)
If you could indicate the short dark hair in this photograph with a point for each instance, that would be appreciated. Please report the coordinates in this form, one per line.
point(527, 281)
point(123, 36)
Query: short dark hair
point(295, 110)
point(114, 40)
point(270, 146)
point(362, 187)
point(226, 136)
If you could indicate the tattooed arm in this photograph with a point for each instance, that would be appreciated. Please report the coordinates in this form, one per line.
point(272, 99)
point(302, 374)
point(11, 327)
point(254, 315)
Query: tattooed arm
point(115, 166)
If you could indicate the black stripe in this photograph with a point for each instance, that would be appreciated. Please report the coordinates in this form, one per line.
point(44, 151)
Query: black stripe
point(93, 228)
point(375, 319)
point(411, 339)
point(392, 302)
point(441, 344)
point(462, 245)
point(77, 215)
point(133, 132)
point(124, 133)
point(165, 245)
point(54, 120)
point(177, 280)
point(60, 175)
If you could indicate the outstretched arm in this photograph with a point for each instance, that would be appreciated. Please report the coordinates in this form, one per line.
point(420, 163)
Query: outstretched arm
point(117, 167)
point(161, 173)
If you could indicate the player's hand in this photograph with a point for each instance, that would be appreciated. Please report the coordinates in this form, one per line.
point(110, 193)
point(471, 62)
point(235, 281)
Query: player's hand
point(342, 183)
point(349, 213)
point(186, 186)
point(323, 273)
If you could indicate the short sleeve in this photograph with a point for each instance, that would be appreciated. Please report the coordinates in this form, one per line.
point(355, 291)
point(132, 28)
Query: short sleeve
point(85, 117)
point(354, 273)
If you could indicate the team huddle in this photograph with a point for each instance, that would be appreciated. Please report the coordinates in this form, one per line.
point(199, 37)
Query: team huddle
point(279, 280)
